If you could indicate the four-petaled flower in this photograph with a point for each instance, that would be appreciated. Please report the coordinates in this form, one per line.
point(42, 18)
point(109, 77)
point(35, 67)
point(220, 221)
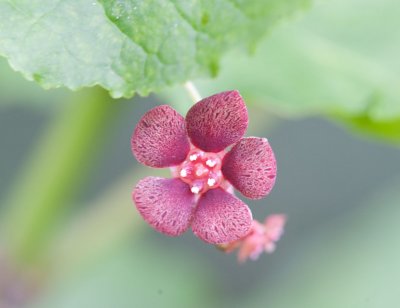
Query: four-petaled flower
point(200, 194)
point(262, 237)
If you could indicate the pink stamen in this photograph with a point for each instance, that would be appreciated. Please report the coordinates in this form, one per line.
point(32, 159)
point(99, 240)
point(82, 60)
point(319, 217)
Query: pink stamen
point(201, 170)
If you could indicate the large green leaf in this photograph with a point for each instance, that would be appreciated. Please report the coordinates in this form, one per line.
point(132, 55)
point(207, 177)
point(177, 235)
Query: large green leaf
point(129, 46)
point(337, 60)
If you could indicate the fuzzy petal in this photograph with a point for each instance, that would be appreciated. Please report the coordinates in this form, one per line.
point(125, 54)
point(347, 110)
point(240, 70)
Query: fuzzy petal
point(160, 139)
point(166, 204)
point(221, 218)
point(250, 167)
point(217, 121)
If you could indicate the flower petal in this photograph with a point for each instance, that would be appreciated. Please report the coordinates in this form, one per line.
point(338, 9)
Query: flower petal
point(160, 139)
point(250, 167)
point(274, 226)
point(220, 217)
point(217, 121)
point(166, 204)
point(252, 248)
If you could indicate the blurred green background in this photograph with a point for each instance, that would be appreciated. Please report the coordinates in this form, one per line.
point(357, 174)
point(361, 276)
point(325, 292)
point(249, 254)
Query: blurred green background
point(71, 237)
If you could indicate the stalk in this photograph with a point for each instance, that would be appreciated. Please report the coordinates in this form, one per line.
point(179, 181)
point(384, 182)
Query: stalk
point(42, 193)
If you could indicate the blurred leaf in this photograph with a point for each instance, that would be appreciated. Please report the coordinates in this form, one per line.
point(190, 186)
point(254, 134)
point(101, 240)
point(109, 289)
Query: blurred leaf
point(336, 61)
point(129, 46)
point(388, 130)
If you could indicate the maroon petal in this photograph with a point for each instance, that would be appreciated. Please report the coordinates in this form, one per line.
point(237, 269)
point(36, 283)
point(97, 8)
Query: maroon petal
point(220, 217)
point(250, 166)
point(160, 139)
point(217, 121)
point(166, 204)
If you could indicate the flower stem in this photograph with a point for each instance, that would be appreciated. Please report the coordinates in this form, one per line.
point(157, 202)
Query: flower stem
point(41, 195)
point(193, 91)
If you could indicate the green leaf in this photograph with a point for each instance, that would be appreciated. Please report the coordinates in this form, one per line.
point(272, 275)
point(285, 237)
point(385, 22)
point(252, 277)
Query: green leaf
point(129, 46)
point(337, 61)
point(388, 130)
point(15, 89)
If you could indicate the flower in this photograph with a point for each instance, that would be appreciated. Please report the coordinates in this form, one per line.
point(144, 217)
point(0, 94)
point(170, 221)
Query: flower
point(262, 237)
point(200, 194)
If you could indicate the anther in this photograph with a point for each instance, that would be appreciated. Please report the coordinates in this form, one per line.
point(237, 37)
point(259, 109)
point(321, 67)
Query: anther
point(195, 189)
point(211, 163)
point(211, 182)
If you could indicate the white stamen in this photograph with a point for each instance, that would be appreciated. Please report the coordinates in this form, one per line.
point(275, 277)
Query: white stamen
point(211, 163)
point(183, 173)
point(211, 182)
point(195, 189)
point(193, 157)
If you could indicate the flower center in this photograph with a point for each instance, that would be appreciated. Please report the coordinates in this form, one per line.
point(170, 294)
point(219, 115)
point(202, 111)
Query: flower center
point(201, 170)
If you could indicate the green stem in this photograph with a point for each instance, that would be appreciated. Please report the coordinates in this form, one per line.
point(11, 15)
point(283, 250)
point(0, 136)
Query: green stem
point(42, 193)
point(192, 91)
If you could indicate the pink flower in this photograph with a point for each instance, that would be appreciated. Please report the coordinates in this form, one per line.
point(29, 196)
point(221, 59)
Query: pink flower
point(262, 237)
point(200, 194)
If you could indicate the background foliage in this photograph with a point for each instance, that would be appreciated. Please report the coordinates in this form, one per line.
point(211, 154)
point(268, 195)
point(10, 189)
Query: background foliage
point(129, 46)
